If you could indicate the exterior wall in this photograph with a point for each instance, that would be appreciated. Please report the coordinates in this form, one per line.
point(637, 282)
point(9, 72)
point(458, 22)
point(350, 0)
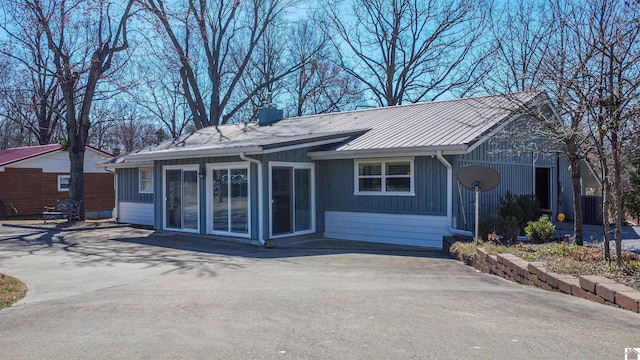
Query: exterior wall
point(135, 213)
point(58, 162)
point(517, 173)
point(129, 195)
point(336, 189)
point(158, 199)
point(24, 189)
point(128, 187)
point(33, 183)
point(30, 189)
point(411, 220)
point(416, 230)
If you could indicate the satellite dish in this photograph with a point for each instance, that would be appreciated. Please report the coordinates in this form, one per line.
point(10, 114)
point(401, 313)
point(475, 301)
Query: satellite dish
point(483, 177)
point(478, 178)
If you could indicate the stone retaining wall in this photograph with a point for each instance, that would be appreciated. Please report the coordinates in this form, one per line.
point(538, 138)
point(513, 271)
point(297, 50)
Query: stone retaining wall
point(595, 288)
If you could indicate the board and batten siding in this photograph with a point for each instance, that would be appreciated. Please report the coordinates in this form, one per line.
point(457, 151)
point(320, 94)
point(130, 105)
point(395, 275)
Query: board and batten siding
point(416, 230)
point(128, 186)
point(419, 219)
point(133, 207)
point(336, 190)
point(517, 175)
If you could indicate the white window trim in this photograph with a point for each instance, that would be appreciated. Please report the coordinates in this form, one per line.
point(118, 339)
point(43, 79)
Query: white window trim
point(140, 190)
point(294, 165)
point(209, 198)
point(61, 177)
point(383, 191)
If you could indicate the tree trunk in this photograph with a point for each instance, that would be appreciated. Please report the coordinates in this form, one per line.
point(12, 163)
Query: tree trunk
point(574, 166)
point(619, 197)
point(605, 209)
point(76, 182)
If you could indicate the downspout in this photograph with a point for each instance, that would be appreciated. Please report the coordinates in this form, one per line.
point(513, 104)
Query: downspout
point(450, 228)
point(244, 157)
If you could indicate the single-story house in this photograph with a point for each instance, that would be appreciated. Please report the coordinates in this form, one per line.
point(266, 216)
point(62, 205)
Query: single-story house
point(34, 176)
point(383, 175)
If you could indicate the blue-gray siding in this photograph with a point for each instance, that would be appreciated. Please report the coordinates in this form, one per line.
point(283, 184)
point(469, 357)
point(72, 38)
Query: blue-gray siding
point(517, 171)
point(336, 190)
point(128, 186)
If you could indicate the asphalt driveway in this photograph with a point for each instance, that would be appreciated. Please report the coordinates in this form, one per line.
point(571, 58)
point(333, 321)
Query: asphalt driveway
point(124, 293)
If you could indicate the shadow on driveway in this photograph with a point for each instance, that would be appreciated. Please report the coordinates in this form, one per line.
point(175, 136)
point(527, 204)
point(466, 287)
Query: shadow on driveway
point(174, 252)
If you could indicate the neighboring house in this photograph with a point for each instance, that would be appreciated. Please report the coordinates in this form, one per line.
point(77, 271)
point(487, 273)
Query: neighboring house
point(34, 176)
point(383, 175)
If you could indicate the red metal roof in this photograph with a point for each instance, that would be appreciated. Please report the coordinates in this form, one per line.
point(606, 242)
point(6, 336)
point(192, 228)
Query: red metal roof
point(10, 156)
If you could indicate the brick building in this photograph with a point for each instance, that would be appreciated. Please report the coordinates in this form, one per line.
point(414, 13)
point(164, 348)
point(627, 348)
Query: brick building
point(34, 176)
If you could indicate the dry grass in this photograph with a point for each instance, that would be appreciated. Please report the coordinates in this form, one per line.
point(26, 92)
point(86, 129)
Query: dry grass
point(564, 258)
point(11, 290)
point(583, 260)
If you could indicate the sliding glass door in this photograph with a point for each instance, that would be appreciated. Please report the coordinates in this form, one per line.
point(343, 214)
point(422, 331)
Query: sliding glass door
point(292, 199)
point(181, 199)
point(228, 199)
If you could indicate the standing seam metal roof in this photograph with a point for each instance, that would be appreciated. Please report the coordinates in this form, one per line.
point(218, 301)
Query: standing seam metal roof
point(447, 123)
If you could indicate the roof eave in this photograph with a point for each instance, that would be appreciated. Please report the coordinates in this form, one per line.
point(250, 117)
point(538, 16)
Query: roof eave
point(195, 153)
point(383, 153)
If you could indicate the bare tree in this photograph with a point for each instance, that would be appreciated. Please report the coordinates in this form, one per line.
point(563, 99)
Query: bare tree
point(522, 34)
point(319, 86)
point(82, 39)
point(615, 100)
point(543, 46)
point(409, 50)
point(585, 55)
point(159, 91)
point(31, 95)
point(215, 43)
point(118, 126)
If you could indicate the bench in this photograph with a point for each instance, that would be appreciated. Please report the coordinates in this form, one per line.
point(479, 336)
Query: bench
point(63, 209)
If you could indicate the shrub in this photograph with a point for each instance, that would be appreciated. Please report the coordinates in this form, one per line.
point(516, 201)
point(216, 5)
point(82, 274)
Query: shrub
point(540, 231)
point(514, 212)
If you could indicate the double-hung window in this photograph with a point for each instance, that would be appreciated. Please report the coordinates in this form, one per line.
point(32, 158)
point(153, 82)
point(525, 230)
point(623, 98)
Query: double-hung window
point(145, 178)
point(384, 177)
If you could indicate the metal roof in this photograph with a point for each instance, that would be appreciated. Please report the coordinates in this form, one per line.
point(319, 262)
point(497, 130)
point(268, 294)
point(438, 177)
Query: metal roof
point(10, 156)
point(435, 125)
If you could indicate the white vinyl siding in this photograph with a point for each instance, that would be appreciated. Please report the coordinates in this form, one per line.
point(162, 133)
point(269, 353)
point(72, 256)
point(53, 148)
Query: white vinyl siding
point(384, 177)
point(135, 213)
point(417, 230)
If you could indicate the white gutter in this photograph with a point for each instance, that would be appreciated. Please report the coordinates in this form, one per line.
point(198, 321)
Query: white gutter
point(192, 153)
point(450, 228)
point(244, 157)
point(385, 153)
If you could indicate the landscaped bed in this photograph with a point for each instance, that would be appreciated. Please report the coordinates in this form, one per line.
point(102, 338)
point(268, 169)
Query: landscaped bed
point(563, 258)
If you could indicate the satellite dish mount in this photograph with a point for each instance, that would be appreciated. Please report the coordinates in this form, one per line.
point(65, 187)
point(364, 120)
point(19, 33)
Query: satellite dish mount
point(478, 179)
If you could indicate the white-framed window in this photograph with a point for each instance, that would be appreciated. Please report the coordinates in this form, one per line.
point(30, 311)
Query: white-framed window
point(63, 182)
point(384, 177)
point(145, 180)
